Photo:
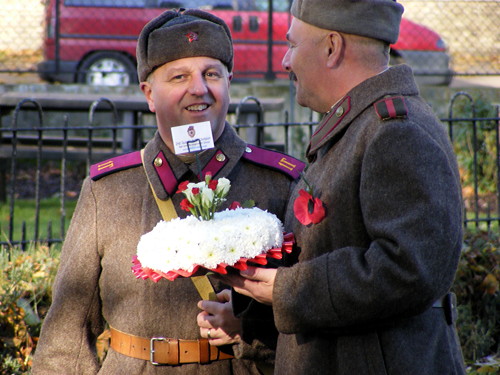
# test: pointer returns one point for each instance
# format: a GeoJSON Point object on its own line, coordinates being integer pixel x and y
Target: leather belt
{"type": "Point", "coordinates": [165, 351]}
{"type": "Point", "coordinates": [449, 304]}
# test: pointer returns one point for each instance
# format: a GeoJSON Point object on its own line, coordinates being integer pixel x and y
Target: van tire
{"type": "Point", "coordinates": [99, 69]}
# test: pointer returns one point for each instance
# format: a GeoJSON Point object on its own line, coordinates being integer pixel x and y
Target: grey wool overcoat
{"type": "Point", "coordinates": [95, 284]}
{"type": "Point", "coordinates": [359, 300]}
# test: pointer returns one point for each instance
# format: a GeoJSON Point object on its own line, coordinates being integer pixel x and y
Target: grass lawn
{"type": "Point", "coordinates": [24, 212]}
{"type": "Point", "coordinates": [492, 226]}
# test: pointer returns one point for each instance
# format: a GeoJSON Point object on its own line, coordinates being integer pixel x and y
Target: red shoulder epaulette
{"type": "Point", "coordinates": [275, 160]}
{"type": "Point", "coordinates": [118, 163]}
{"type": "Point", "coordinates": [391, 108]}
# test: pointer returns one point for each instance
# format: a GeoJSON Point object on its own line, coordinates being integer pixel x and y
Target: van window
{"type": "Point", "coordinates": [107, 3]}
{"type": "Point", "coordinates": [263, 5]}
{"type": "Point", "coordinates": [249, 5]}
{"type": "Point", "coordinates": [203, 4]}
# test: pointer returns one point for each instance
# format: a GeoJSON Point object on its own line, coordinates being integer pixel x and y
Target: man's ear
{"type": "Point", "coordinates": [146, 90]}
{"type": "Point", "coordinates": [335, 49]}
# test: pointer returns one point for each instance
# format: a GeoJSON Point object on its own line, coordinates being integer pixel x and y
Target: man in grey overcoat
{"type": "Point", "coordinates": [185, 60]}
{"type": "Point", "coordinates": [377, 217]}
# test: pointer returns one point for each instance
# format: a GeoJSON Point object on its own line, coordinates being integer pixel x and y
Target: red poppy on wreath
{"type": "Point", "coordinates": [212, 185]}
{"type": "Point", "coordinates": [235, 205]}
{"type": "Point", "coordinates": [308, 209]}
{"type": "Point", "coordinates": [182, 186]}
{"type": "Point", "coordinates": [186, 205]}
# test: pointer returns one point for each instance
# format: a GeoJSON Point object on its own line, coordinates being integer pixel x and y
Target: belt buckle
{"type": "Point", "coordinates": [152, 349]}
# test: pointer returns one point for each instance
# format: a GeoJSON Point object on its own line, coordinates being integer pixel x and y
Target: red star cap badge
{"type": "Point", "coordinates": [192, 36]}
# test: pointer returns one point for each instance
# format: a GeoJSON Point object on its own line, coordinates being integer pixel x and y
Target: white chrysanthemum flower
{"type": "Point", "coordinates": [231, 235]}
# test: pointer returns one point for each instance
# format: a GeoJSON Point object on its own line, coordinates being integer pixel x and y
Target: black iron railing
{"type": "Point", "coordinates": [28, 152]}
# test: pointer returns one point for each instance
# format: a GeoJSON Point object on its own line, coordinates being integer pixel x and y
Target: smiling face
{"type": "Point", "coordinates": [188, 90]}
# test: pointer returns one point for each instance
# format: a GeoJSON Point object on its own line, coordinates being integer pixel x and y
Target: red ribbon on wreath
{"type": "Point", "coordinates": [144, 273]}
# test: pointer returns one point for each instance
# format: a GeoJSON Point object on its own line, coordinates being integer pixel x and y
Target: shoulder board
{"type": "Point", "coordinates": [118, 163]}
{"type": "Point", "coordinates": [274, 160]}
{"type": "Point", "coordinates": [391, 108]}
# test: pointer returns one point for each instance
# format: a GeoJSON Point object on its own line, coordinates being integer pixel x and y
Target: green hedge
{"type": "Point", "coordinates": [25, 289]}
{"type": "Point", "coordinates": [27, 277]}
{"type": "Point", "coordinates": [477, 288]}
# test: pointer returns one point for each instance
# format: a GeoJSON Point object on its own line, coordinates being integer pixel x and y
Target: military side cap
{"type": "Point", "coordinates": [377, 19]}
{"type": "Point", "coordinates": [274, 160]}
{"type": "Point", "coordinates": [176, 34]}
{"type": "Point", "coordinates": [391, 108]}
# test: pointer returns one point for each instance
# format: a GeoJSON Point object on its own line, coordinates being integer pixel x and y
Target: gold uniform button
{"type": "Point", "coordinates": [158, 162]}
{"type": "Point", "coordinates": [339, 112]}
{"type": "Point", "coordinates": [220, 157]}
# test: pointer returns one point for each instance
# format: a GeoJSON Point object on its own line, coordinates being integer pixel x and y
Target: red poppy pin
{"type": "Point", "coordinates": [307, 208]}
{"type": "Point", "coordinates": [192, 36]}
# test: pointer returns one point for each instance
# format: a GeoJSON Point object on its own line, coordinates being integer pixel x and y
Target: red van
{"type": "Point", "coordinates": [95, 40]}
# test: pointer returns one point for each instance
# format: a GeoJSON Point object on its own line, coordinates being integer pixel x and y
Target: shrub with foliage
{"type": "Point", "coordinates": [477, 288]}
{"type": "Point", "coordinates": [25, 290]}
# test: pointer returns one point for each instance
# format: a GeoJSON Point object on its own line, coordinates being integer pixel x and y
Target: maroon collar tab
{"type": "Point", "coordinates": [118, 163]}
{"type": "Point", "coordinates": [391, 108]}
{"type": "Point", "coordinates": [165, 173]}
{"type": "Point", "coordinates": [329, 123]}
{"type": "Point", "coordinates": [275, 160]}
{"type": "Point", "coordinates": [218, 161]}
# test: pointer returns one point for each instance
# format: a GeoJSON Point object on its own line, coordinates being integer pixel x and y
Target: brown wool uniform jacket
{"type": "Point", "coordinates": [359, 299]}
{"type": "Point", "coordinates": [95, 283]}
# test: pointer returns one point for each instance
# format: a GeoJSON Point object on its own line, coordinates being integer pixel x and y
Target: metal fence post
{"type": "Point", "coordinates": [14, 168]}
{"type": "Point", "coordinates": [254, 135]}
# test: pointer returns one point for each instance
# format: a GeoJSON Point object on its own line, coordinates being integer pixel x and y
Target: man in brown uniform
{"type": "Point", "coordinates": [380, 245]}
{"type": "Point", "coordinates": [184, 64]}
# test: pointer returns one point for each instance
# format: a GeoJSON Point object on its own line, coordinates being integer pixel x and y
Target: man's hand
{"type": "Point", "coordinates": [217, 321]}
{"type": "Point", "coordinates": [254, 282]}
